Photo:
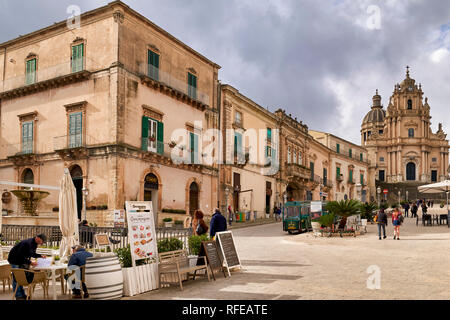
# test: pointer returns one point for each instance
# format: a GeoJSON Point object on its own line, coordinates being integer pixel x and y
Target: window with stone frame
{"type": "Point", "coordinates": [289, 154]}
{"type": "Point", "coordinates": [27, 132]}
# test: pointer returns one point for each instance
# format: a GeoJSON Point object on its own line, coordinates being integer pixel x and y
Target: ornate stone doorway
{"type": "Point", "coordinates": [77, 177]}
{"type": "Point", "coordinates": [411, 171]}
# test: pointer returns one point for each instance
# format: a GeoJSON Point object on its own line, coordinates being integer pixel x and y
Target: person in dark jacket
{"type": "Point", "coordinates": [218, 223]}
{"type": "Point", "coordinates": [382, 222]}
{"type": "Point", "coordinates": [414, 211]}
{"type": "Point", "coordinates": [78, 258]}
{"type": "Point", "coordinates": [20, 258]}
{"type": "Point", "coordinates": [406, 207]}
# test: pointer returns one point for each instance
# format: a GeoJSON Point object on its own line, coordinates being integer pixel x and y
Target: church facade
{"type": "Point", "coordinates": [403, 151]}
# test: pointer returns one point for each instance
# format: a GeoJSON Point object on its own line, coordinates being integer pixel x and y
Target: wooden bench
{"type": "Point", "coordinates": [177, 263]}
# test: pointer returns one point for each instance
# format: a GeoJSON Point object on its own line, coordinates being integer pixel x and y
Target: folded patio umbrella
{"type": "Point", "coordinates": [68, 218]}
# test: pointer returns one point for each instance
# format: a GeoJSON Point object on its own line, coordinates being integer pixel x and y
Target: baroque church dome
{"type": "Point", "coordinates": [377, 113]}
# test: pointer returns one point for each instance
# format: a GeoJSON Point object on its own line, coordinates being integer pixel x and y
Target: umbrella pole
{"type": "Point", "coordinates": [448, 224]}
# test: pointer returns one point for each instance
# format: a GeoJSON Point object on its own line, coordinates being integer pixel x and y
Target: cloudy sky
{"type": "Point", "coordinates": [319, 60]}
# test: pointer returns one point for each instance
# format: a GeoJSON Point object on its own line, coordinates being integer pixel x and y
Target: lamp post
{"type": "Point", "coordinates": [407, 195]}
{"type": "Point", "coordinates": [399, 195]}
{"type": "Point", "coordinates": [379, 196]}
{"type": "Point", "coordinates": [85, 194]}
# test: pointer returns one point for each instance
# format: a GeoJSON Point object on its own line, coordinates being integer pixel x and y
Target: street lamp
{"type": "Point", "coordinates": [379, 195]}
{"type": "Point", "coordinates": [85, 194]}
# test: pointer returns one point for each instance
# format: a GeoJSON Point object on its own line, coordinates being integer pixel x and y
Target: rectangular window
{"type": "Point", "coordinates": [360, 157]}
{"type": "Point", "coordinates": [362, 179]}
{"type": "Point", "coordinates": [311, 166]}
{"type": "Point", "coordinates": [381, 159]}
{"type": "Point", "coordinates": [380, 132]}
{"type": "Point", "coordinates": [78, 58]}
{"type": "Point", "coordinates": [238, 118]}
{"type": "Point", "coordinates": [338, 173]}
{"type": "Point", "coordinates": [192, 86]}
{"type": "Point", "coordinates": [194, 148]}
{"type": "Point", "coordinates": [433, 175]}
{"type": "Point", "coordinates": [410, 133]}
{"type": "Point", "coordinates": [350, 153]}
{"type": "Point", "coordinates": [295, 157]}
{"type": "Point", "coordinates": [300, 160]}
{"type": "Point", "coordinates": [434, 159]}
{"type": "Point", "coordinates": [350, 175]}
{"type": "Point", "coordinates": [153, 65]}
{"type": "Point", "coordinates": [152, 135]}
{"type": "Point", "coordinates": [325, 176]}
{"type": "Point", "coordinates": [238, 152]}
{"type": "Point", "coordinates": [289, 155]}
{"type": "Point", "coordinates": [269, 134]}
{"type": "Point", "coordinates": [31, 71]}
{"type": "Point", "coordinates": [365, 136]}
{"type": "Point", "coordinates": [338, 147]}
{"type": "Point", "coordinates": [381, 175]}
{"type": "Point", "coordinates": [75, 130]}
{"type": "Point", "coordinates": [27, 137]}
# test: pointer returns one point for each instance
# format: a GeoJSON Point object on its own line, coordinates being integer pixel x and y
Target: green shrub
{"type": "Point", "coordinates": [166, 245]}
{"type": "Point", "coordinates": [326, 220]}
{"type": "Point", "coordinates": [180, 211]}
{"type": "Point", "coordinates": [195, 243]}
{"type": "Point", "coordinates": [179, 222]}
{"type": "Point", "coordinates": [167, 220]}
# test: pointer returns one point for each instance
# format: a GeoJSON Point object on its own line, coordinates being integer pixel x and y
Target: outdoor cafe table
{"type": "Point", "coordinates": [53, 269]}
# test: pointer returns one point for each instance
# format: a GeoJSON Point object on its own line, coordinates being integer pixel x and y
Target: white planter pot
{"type": "Point", "coordinates": [140, 279]}
{"type": "Point", "coordinates": [168, 224]}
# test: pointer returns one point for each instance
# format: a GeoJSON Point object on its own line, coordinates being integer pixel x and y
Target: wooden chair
{"type": "Point", "coordinates": [21, 279]}
{"type": "Point", "coordinates": [83, 279]}
{"type": "Point", "coordinates": [5, 276]}
{"type": "Point", "coordinates": [177, 263]}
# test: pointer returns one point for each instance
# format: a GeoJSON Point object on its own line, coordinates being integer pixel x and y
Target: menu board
{"type": "Point", "coordinates": [102, 240]}
{"type": "Point", "coordinates": [228, 250]}
{"type": "Point", "coordinates": [316, 206]}
{"type": "Point", "coordinates": [210, 250]}
{"type": "Point", "coordinates": [119, 218]}
{"type": "Point", "coordinates": [141, 230]}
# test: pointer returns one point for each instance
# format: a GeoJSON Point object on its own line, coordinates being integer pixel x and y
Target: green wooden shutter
{"type": "Point", "coordinates": [311, 166]}
{"type": "Point", "coordinates": [337, 148]}
{"type": "Point", "coordinates": [338, 173]}
{"type": "Point", "coordinates": [192, 86]}
{"type": "Point", "coordinates": [27, 137]}
{"type": "Point", "coordinates": [350, 176]}
{"type": "Point", "coordinates": [192, 144]}
{"type": "Point", "coordinates": [77, 57]}
{"type": "Point", "coordinates": [31, 71]}
{"type": "Point", "coordinates": [153, 65]}
{"type": "Point", "coordinates": [361, 157]}
{"type": "Point", "coordinates": [362, 179]}
{"type": "Point", "coordinates": [160, 138]}
{"type": "Point", "coordinates": [75, 130]}
{"type": "Point", "coordinates": [145, 133]}
{"type": "Point", "coordinates": [196, 160]}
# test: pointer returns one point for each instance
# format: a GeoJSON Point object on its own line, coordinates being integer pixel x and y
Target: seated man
{"type": "Point", "coordinates": [78, 258]}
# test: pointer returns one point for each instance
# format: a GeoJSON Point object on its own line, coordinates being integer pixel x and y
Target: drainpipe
{"type": "Point", "coordinates": [219, 152]}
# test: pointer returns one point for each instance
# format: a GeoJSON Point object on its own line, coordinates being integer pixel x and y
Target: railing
{"type": "Point", "coordinates": [27, 147]}
{"type": "Point", "coordinates": [328, 183]}
{"type": "Point", "coordinates": [43, 74]}
{"type": "Point", "coordinates": [315, 178]}
{"type": "Point", "coordinates": [118, 236]}
{"type": "Point", "coordinates": [294, 169]}
{"type": "Point", "coordinates": [170, 81]}
{"type": "Point", "coordinates": [344, 153]}
{"type": "Point", "coordinates": [72, 142]}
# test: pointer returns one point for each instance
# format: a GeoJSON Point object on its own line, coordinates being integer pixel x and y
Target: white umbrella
{"type": "Point", "coordinates": [443, 186]}
{"type": "Point", "coordinates": [68, 218]}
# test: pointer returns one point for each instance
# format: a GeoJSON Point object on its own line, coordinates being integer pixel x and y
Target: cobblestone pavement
{"type": "Point", "coordinates": [281, 266]}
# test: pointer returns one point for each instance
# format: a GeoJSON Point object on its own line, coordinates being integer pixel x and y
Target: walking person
{"type": "Point", "coordinates": [397, 220]}
{"type": "Point", "coordinates": [424, 208]}
{"type": "Point", "coordinates": [406, 207]}
{"type": "Point", "coordinates": [20, 258]}
{"type": "Point", "coordinates": [230, 215]}
{"type": "Point", "coordinates": [199, 226]}
{"type": "Point", "coordinates": [382, 222]}
{"type": "Point", "coordinates": [218, 223]}
{"type": "Point", "coordinates": [414, 210]}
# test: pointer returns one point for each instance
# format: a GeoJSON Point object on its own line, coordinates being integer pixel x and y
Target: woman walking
{"type": "Point", "coordinates": [199, 226]}
{"type": "Point", "coordinates": [397, 220]}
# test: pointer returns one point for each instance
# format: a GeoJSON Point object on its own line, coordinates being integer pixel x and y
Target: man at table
{"type": "Point", "coordinates": [19, 258]}
{"type": "Point", "coordinates": [78, 258]}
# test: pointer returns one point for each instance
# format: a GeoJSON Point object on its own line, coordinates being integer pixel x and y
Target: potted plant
{"type": "Point", "coordinates": [152, 138]}
{"type": "Point", "coordinates": [144, 269]}
{"type": "Point", "coordinates": [366, 211]}
{"type": "Point", "coordinates": [167, 222]}
{"type": "Point", "coordinates": [195, 243]}
{"type": "Point", "coordinates": [343, 209]}
{"type": "Point", "coordinates": [57, 260]}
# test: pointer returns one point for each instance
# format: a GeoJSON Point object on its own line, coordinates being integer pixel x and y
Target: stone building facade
{"type": "Point", "coordinates": [403, 151]}
{"type": "Point", "coordinates": [108, 100]}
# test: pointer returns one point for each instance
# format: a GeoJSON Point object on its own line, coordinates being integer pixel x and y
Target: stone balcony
{"type": "Point", "coordinates": [297, 171]}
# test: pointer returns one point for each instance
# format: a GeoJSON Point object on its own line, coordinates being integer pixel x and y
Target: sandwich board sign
{"type": "Point", "coordinates": [141, 230]}
{"type": "Point", "coordinates": [227, 250]}
{"type": "Point", "coordinates": [211, 252]}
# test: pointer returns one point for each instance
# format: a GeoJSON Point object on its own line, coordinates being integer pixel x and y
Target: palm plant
{"type": "Point", "coordinates": [344, 209]}
{"type": "Point", "coordinates": [326, 220]}
{"type": "Point", "coordinates": [366, 210]}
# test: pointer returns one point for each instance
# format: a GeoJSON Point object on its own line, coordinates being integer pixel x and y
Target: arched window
{"type": "Point", "coordinates": [28, 176]}
{"type": "Point", "coordinates": [409, 104]}
{"type": "Point", "coordinates": [289, 155]}
{"type": "Point", "coordinates": [295, 156]}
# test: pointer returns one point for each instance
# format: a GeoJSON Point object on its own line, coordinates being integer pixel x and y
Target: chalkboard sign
{"type": "Point", "coordinates": [209, 248]}
{"type": "Point", "coordinates": [228, 250]}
